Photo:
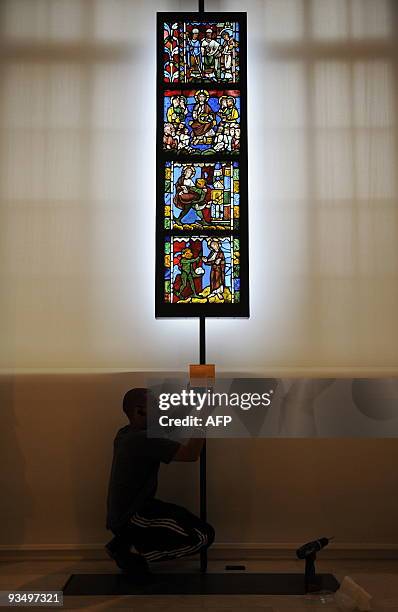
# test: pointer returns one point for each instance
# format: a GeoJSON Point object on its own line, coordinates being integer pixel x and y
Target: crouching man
{"type": "Point", "coordinates": [145, 528]}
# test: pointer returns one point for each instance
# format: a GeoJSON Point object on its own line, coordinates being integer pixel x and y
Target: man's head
{"type": "Point", "coordinates": [188, 171]}
{"type": "Point", "coordinates": [213, 243]}
{"type": "Point", "coordinates": [202, 96]}
{"type": "Point", "coordinates": [135, 406]}
{"type": "Point", "coordinates": [187, 253]}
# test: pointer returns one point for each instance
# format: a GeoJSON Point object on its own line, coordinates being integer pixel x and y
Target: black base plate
{"type": "Point", "coordinates": [194, 584]}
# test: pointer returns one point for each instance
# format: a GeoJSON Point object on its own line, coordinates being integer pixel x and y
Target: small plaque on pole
{"type": "Point", "coordinates": [202, 375]}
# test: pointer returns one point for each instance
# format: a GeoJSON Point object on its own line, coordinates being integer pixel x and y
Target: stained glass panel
{"type": "Point", "coordinates": [202, 182]}
{"type": "Point", "coordinates": [201, 121]}
{"type": "Point", "coordinates": [201, 196]}
{"type": "Point", "coordinates": [201, 51]}
{"type": "Point", "coordinates": [201, 269]}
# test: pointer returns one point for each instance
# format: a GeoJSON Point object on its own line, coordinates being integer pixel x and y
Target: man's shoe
{"type": "Point", "coordinates": [130, 563]}
{"type": "Point", "coordinates": [117, 544]}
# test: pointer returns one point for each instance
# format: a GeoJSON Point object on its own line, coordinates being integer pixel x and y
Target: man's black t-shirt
{"type": "Point", "coordinates": [134, 473]}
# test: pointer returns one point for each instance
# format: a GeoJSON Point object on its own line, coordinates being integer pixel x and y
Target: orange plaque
{"type": "Point", "coordinates": [202, 375]}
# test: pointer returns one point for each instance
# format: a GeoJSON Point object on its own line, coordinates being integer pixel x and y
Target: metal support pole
{"type": "Point", "coordinates": [202, 467]}
{"type": "Point", "coordinates": [202, 340]}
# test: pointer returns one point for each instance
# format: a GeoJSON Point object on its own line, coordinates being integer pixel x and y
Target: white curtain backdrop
{"type": "Point", "coordinates": [77, 188]}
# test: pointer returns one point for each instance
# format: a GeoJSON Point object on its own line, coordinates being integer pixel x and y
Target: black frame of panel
{"type": "Point", "coordinates": [163, 309]}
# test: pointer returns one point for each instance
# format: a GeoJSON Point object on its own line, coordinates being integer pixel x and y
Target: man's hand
{"type": "Point", "coordinates": [189, 451]}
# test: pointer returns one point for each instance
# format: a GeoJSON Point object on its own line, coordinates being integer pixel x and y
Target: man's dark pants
{"type": "Point", "coordinates": [160, 531]}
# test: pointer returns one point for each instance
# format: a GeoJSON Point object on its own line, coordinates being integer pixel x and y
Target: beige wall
{"type": "Point", "coordinates": [56, 435]}
{"type": "Point", "coordinates": [77, 187]}
{"type": "Point", "coordinates": [77, 198]}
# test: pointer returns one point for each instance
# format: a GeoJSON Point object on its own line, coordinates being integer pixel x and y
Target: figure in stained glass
{"type": "Point", "coordinates": [177, 110]}
{"type": "Point", "coordinates": [196, 198]}
{"type": "Point", "coordinates": [216, 260]}
{"type": "Point", "coordinates": [211, 52]}
{"type": "Point", "coordinates": [228, 111]}
{"type": "Point", "coordinates": [194, 54]}
{"type": "Point", "coordinates": [203, 116]}
{"type": "Point", "coordinates": [228, 53]}
{"type": "Point", "coordinates": [169, 137]}
{"type": "Point", "coordinates": [187, 273]}
{"type": "Point", "coordinates": [183, 139]}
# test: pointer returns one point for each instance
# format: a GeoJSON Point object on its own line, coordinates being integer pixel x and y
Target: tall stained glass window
{"type": "Point", "coordinates": [202, 227]}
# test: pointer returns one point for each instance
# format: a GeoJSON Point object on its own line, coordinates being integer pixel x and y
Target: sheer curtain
{"type": "Point", "coordinates": [77, 188]}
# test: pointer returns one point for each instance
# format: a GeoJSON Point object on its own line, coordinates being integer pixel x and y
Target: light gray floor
{"type": "Point", "coordinates": [379, 578]}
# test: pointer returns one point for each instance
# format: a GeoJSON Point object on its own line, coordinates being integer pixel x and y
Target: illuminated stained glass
{"type": "Point", "coordinates": [201, 172]}
{"type": "Point", "coordinates": [201, 196]}
{"type": "Point", "coordinates": [201, 121]}
{"type": "Point", "coordinates": [201, 270]}
{"type": "Point", "coordinates": [201, 51]}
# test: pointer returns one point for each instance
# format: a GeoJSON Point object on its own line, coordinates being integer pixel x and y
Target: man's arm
{"type": "Point", "coordinates": [189, 451]}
